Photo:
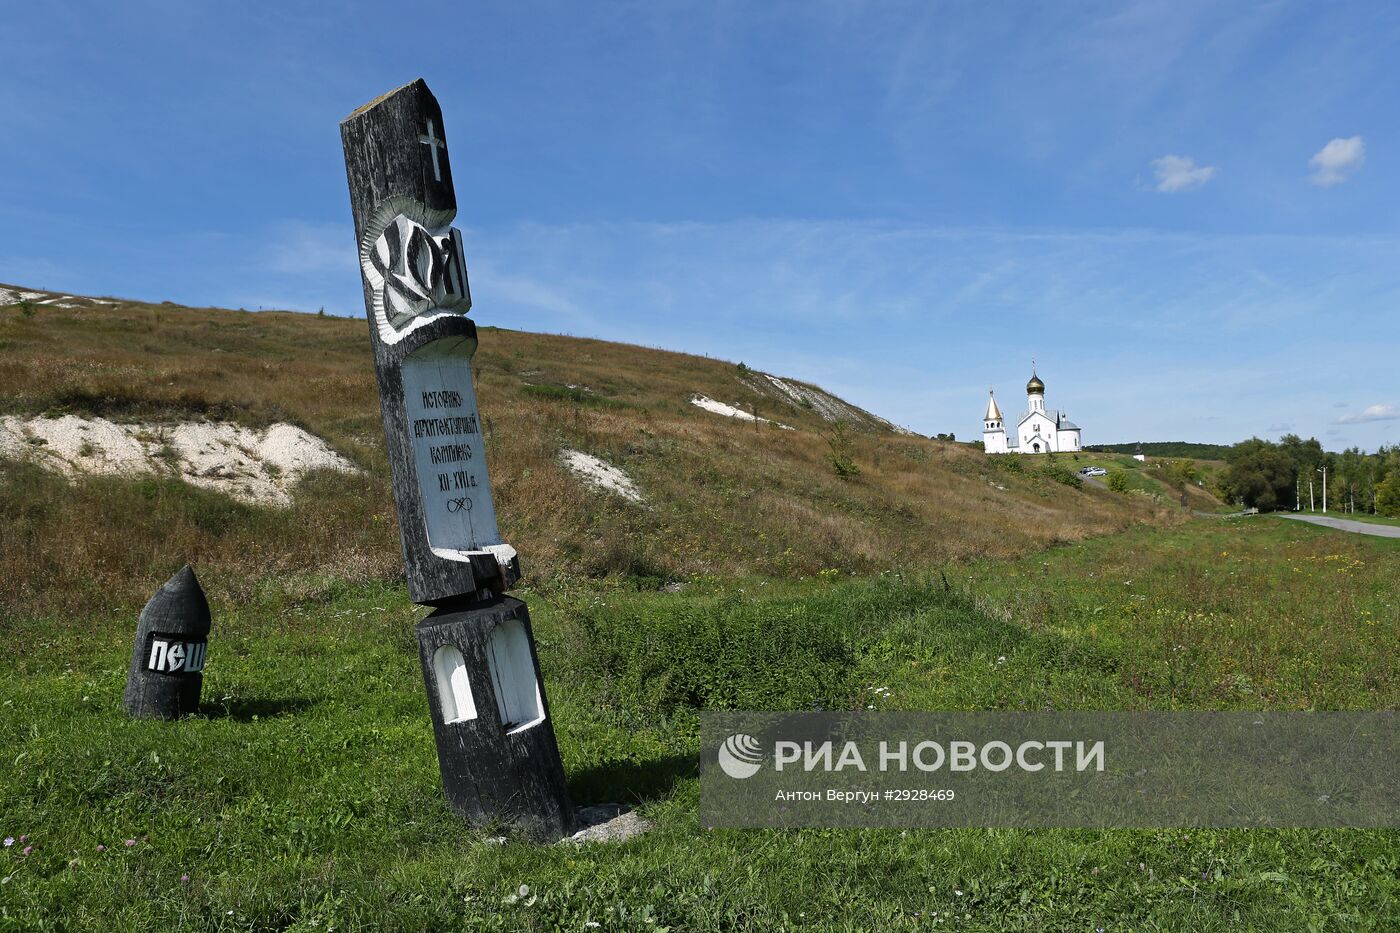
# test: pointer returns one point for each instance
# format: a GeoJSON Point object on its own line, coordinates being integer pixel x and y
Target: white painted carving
{"type": "Point", "coordinates": [513, 677]}
{"type": "Point", "coordinates": [503, 553]}
{"type": "Point", "coordinates": [412, 259]}
{"type": "Point", "coordinates": [454, 687]}
{"type": "Point", "coordinates": [431, 140]}
{"type": "Point", "coordinates": [169, 657]}
{"type": "Point", "coordinates": [449, 455]}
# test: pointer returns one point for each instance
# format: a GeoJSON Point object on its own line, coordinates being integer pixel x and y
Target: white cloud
{"type": "Point", "coordinates": [1337, 161]}
{"type": "Point", "coordinates": [1180, 173]}
{"type": "Point", "coordinates": [527, 292]}
{"type": "Point", "coordinates": [299, 248]}
{"type": "Point", "coordinates": [1372, 413]}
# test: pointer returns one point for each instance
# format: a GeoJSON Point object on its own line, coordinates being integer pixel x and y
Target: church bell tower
{"type": "Point", "coordinates": [993, 430]}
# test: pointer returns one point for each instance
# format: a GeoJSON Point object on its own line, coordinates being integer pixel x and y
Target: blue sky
{"type": "Point", "coordinates": [1186, 212]}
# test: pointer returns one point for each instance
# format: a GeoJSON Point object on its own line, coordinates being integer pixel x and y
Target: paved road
{"type": "Point", "coordinates": [1346, 524]}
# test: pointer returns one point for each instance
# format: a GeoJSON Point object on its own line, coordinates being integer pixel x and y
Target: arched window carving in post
{"type": "Point", "coordinates": [513, 677]}
{"type": "Point", "coordinates": [454, 687]}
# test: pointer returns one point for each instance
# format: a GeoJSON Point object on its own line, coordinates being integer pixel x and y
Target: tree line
{"type": "Point", "coordinates": [1166, 449]}
{"type": "Point", "coordinates": [1288, 474]}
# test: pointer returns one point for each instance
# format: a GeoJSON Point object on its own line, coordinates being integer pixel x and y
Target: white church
{"type": "Point", "coordinates": [1040, 430]}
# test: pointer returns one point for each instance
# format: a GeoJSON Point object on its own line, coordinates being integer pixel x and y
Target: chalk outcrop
{"type": "Point", "coordinates": [731, 411]}
{"type": "Point", "coordinates": [252, 465]}
{"type": "Point", "coordinates": [600, 474]}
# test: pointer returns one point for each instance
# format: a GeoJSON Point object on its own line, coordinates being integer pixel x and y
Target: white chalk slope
{"type": "Point", "coordinates": [729, 411]}
{"type": "Point", "coordinates": [600, 474]}
{"type": "Point", "coordinates": [10, 295]}
{"type": "Point", "coordinates": [828, 406]}
{"type": "Point", "coordinates": [795, 395]}
{"type": "Point", "coordinates": [255, 466]}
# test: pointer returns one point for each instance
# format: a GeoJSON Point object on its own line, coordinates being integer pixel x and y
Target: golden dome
{"type": "Point", "coordinates": [1035, 385]}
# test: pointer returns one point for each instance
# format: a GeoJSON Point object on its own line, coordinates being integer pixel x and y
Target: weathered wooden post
{"type": "Point", "coordinates": [496, 745]}
{"type": "Point", "coordinates": [172, 637]}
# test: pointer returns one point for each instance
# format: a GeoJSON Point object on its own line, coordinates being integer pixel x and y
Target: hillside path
{"type": "Point", "coordinates": [1346, 524]}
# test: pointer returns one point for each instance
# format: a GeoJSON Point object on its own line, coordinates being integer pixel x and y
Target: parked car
{"type": "Point", "coordinates": [1095, 471]}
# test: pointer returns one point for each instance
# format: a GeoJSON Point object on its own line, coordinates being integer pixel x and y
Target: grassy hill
{"type": "Point", "coordinates": [723, 496]}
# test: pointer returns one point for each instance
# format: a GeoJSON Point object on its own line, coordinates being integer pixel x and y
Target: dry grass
{"type": "Point", "coordinates": [723, 496]}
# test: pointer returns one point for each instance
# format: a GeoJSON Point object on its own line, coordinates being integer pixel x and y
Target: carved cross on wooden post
{"type": "Point", "coordinates": [496, 745]}
{"type": "Point", "coordinates": [431, 140]}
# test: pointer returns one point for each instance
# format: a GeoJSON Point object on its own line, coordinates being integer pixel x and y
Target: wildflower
{"type": "Point", "coordinates": [524, 890]}
{"type": "Point", "coordinates": [26, 850]}
{"type": "Point", "coordinates": [185, 879]}
{"type": "Point", "coordinates": [23, 840]}
{"type": "Point", "coordinates": [9, 841]}
{"type": "Point", "coordinates": [101, 847]}
{"type": "Point", "coordinates": [130, 843]}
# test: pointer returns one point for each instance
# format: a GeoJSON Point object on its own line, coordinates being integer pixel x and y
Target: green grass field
{"type": "Point", "coordinates": [306, 795]}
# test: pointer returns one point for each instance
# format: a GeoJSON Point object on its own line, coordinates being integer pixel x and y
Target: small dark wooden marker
{"type": "Point", "coordinates": [496, 746]}
{"type": "Point", "coordinates": [172, 637]}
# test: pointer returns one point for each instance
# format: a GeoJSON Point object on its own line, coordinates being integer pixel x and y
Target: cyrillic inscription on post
{"type": "Point", "coordinates": [172, 639]}
{"type": "Point", "coordinates": [447, 449]}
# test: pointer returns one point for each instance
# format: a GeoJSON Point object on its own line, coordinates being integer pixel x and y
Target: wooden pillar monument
{"type": "Point", "coordinates": [495, 742]}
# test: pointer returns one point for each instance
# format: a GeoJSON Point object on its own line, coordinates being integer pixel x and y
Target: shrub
{"type": "Point", "coordinates": [839, 440]}
{"type": "Point", "coordinates": [1011, 463]}
{"type": "Point", "coordinates": [1181, 472]}
{"type": "Point", "coordinates": [661, 656]}
{"type": "Point", "coordinates": [1118, 481]}
{"type": "Point", "coordinates": [1063, 475]}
